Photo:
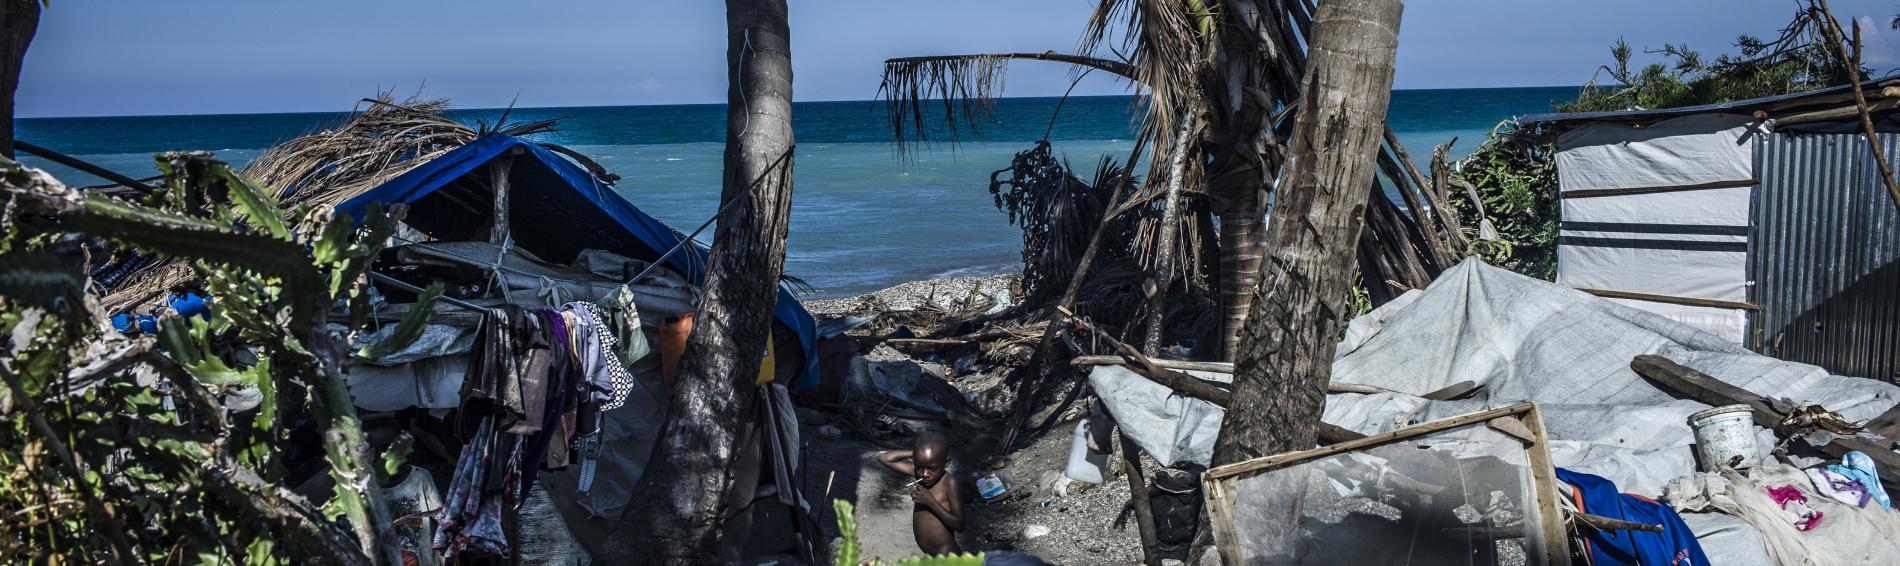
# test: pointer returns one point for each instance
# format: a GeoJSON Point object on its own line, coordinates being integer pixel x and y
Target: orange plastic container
{"type": "Point", "coordinates": [673, 333]}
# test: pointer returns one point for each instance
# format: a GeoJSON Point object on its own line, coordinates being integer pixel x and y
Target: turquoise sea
{"type": "Point", "coordinates": [864, 216]}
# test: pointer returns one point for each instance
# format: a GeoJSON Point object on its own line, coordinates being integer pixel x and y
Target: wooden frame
{"type": "Point", "coordinates": [1520, 421]}
{"type": "Point", "coordinates": [1689, 301]}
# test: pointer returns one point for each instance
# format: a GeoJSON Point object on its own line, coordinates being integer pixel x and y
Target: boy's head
{"type": "Point", "coordinates": [930, 456]}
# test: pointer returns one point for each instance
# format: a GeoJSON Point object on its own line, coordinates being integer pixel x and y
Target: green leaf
{"type": "Point", "coordinates": [409, 329]}
{"type": "Point", "coordinates": [397, 454]}
{"type": "Point", "coordinates": [38, 278]}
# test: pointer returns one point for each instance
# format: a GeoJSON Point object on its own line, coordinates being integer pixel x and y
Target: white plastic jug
{"type": "Point", "coordinates": [1084, 465]}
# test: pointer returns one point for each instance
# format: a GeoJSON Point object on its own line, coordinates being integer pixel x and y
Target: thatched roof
{"type": "Point", "coordinates": [381, 139]}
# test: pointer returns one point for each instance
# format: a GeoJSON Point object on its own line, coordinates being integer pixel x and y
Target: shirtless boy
{"type": "Point", "coordinates": [937, 511]}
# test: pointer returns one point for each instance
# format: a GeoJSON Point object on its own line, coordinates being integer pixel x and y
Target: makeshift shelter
{"type": "Point", "coordinates": [1762, 221]}
{"type": "Point", "coordinates": [1521, 339]}
{"type": "Point", "coordinates": [583, 242]}
{"type": "Point", "coordinates": [537, 391]}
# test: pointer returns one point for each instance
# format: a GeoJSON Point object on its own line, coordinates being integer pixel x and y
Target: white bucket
{"type": "Point", "coordinates": [1725, 438]}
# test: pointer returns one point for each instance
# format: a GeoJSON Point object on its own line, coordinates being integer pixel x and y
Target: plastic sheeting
{"type": "Point", "coordinates": [1524, 340]}
{"type": "Point", "coordinates": [1171, 427]}
{"type": "Point", "coordinates": [1687, 243]}
{"type": "Point", "coordinates": [570, 211]}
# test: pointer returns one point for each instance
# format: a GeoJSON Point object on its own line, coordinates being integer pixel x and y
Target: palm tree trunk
{"type": "Point", "coordinates": [18, 20]}
{"type": "Point", "coordinates": [684, 493]}
{"type": "Point", "coordinates": [1163, 273]}
{"type": "Point", "coordinates": [1286, 347]}
{"type": "Point", "coordinates": [1241, 249]}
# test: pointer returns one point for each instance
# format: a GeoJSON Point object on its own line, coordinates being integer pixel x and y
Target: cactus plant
{"type": "Point", "coordinates": [137, 477]}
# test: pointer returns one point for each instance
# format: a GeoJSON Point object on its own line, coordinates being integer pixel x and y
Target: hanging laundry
{"type": "Point", "coordinates": [471, 516]}
{"type": "Point", "coordinates": [624, 320]}
{"type": "Point", "coordinates": [505, 336]}
{"type": "Point", "coordinates": [534, 384]}
{"type": "Point", "coordinates": [600, 362]}
{"type": "Point", "coordinates": [1795, 506]}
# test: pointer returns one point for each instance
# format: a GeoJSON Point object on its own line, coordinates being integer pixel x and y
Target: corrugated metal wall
{"type": "Point", "coordinates": [1822, 257]}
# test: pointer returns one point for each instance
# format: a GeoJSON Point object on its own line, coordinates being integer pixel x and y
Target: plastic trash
{"type": "Point", "coordinates": [1085, 464]}
{"type": "Point", "coordinates": [992, 485]}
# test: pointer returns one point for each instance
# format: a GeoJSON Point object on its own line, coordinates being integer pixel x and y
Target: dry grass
{"type": "Point", "coordinates": [381, 139]}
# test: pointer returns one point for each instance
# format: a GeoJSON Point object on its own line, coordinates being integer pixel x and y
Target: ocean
{"type": "Point", "coordinates": [864, 215]}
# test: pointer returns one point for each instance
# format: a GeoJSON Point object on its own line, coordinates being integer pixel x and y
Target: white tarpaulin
{"type": "Point", "coordinates": [1676, 243]}
{"type": "Point", "coordinates": [1524, 340]}
{"type": "Point", "coordinates": [1700, 148]}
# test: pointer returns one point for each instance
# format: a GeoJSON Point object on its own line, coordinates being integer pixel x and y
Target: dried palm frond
{"type": "Point", "coordinates": [963, 86]}
{"type": "Point", "coordinates": [1058, 213]}
{"type": "Point", "coordinates": [381, 139]}
{"type": "Point", "coordinates": [1167, 42]}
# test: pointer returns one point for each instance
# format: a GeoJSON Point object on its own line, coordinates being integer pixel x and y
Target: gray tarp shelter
{"type": "Point", "coordinates": [1762, 221]}
{"type": "Point", "coordinates": [1522, 339]}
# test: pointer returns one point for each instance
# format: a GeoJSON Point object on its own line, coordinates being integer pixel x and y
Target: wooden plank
{"type": "Point", "coordinates": [1887, 424]}
{"type": "Point", "coordinates": [1513, 427]}
{"type": "Point", "coordinates": [1544, 482]}
{"type": "Point", "coordinates": [1835, 113]}
{"type": "Point", "coordinates": [1110, 360]}
{"type": "Point", "coordinates": [1594, 193]}
{"type": "Point", "coordinates": [1221, 498]}
{"type": "Point", "coordinates": [1280, 460]}
{"type": "Point", "coordinates": [1212, 367]}
{"type": "Point", "coordinates": [1701, 387]}
{"type": "Point", "coordinates": [1690, 301]}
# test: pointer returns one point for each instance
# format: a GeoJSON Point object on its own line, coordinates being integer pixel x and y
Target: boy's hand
{"type": "Point", "coordinates": [920, 495]}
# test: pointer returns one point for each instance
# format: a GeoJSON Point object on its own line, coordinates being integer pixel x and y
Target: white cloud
{"type": "Point", "coordinates": [1879, 45]}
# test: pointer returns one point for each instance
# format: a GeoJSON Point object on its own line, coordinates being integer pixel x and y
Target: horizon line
{"type": "Point", "coordinates": [582, 106]}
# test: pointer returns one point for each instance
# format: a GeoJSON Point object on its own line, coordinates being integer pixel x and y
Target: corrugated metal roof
{"type": "Point", "coordinates": [1737, 107]}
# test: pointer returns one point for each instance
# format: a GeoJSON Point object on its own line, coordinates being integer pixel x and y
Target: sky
{"type": "Point", "coordinates": [142, 57]}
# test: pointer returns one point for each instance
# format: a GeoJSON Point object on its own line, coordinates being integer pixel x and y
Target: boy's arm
{"type": "Point", "coordinates": [898, 461]}
{"type": "Point", "coordinates": [949, 508]}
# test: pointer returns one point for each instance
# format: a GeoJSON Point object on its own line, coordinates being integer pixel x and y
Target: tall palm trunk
{"type": "Point", "coordinates": [18, 20]}
{"type": "Point", "coordinates": [1286, 346]}
{"type": "Point", "coordinates": [1241, 250]}
{"type": "Point", "coordinates": [684, 494]}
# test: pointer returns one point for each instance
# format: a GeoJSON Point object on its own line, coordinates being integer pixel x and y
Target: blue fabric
{"type": "Point", "coordinates": [1859, 466]}
{"type": "Point", "coordinates": [1675, 546]}
{"type": "Point", "coordinates": [588, 210]}
{"type": "Point", "coordinates": [187, 305]}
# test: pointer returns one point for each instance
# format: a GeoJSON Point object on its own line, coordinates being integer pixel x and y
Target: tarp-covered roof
{"type": "Point", "coordinates": [557, 209]}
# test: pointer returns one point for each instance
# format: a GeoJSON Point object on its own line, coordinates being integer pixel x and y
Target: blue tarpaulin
{"type": "Point", "coordinates": [557, 209]}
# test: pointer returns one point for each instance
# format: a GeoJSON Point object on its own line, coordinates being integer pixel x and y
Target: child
{"type": "Point", "coordinates": [937, 512]}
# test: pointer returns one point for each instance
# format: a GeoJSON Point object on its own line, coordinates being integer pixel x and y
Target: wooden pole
{"type": "Point", "coordinates": [1852, 62]}
{"type": "Point", "coordinates": [1138, 491]}
{"type": "Point", "coordinates": [498, 178]}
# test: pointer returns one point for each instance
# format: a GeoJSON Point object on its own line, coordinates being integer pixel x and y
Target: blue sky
{"type": "Point", "coordinates": [127, 57]}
